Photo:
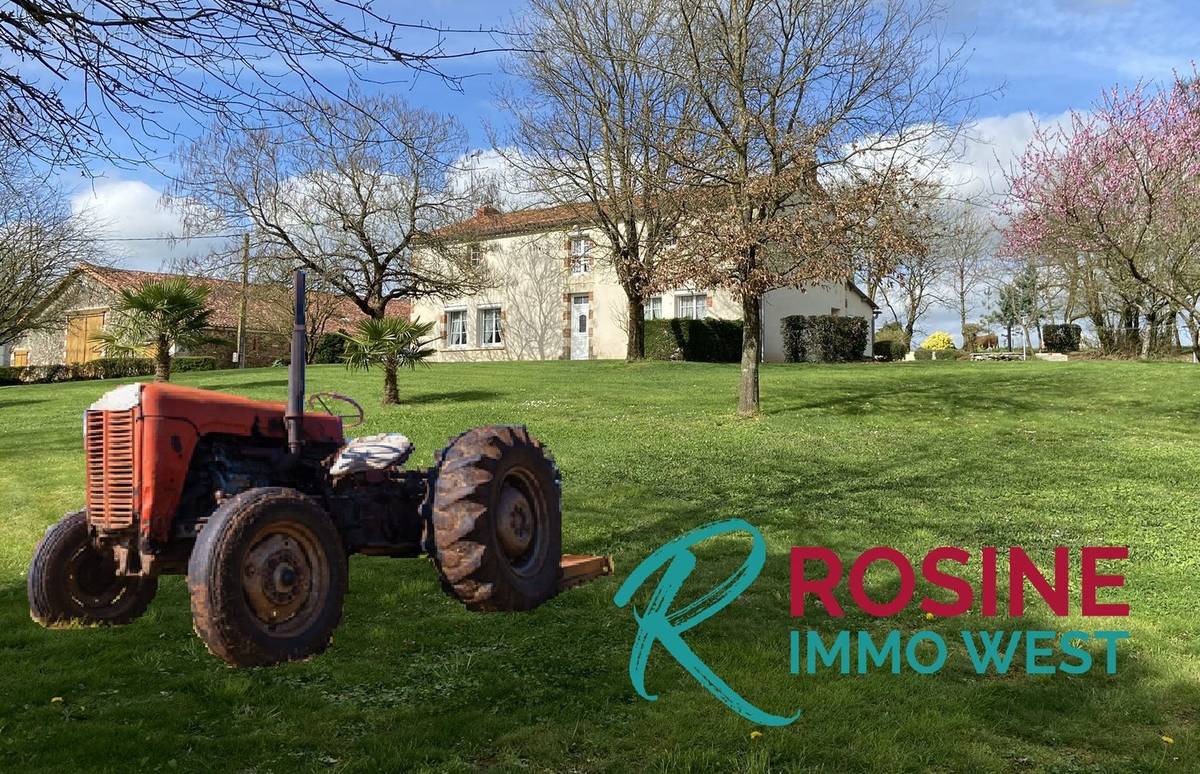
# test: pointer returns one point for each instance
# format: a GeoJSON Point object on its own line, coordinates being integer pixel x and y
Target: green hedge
{"type": "Point", "coordinates": [330, 348]}
{"type": "Point", "coordinates": [1061, 338]}
{"type": "Point", "coordinates": [890, 349]}
{"type": "Point", "coordinates": [823, 338]}
{"type": "Point", "coordinates": [709, 341]}
{"type": "Point", "coordinates": [101, 368]}
{"type": "Point", "coordinates": [942, 354]}
{"type": "Point", "coordinates": [186, 364]}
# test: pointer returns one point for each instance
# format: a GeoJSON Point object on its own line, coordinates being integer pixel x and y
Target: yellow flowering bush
{"type": "Point", "coordinates": [938, 340]}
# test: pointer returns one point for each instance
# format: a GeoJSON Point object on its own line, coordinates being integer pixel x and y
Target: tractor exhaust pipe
{"type": "Point", "coordinates": [294, 416]}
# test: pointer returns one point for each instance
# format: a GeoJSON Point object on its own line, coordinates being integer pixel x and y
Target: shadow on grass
{"type": "Point", "coordinates": [456, 396]}
{"type": "Point", "coordinates": [27, 402]}
{"type": "Point", "coordinates": [243, 385]}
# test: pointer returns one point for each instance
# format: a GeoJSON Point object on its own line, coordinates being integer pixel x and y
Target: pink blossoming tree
{"type": "Point", "coordinates": [1119, 187]}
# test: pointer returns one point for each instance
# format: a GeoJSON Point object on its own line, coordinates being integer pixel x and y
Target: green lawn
{"type": "Point", "coordinates": [909, 455]}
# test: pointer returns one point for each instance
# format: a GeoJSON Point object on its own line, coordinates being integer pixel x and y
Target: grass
{"type": "Point", "coordinates": [913, 456]}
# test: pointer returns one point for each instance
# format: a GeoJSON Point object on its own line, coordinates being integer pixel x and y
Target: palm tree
{"type": "Point", "coordinates": [156, 318]}
{"type": "Point", "coordinates": [391, 342]}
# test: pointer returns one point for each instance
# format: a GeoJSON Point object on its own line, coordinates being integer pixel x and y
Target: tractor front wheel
{"type": "Point", "coordinates": [71, 582]}
{"type": "Point", "coordinates": [497, 519]}
{"type": "Point", "coordinates": [267, 577]}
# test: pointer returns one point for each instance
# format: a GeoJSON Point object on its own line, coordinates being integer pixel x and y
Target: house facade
{"type": "Point", "coordinates": [81, 306]}
{"type": "Point", "coordinates": [549, 297]}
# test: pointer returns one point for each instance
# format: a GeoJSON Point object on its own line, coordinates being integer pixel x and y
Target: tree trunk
{"type": "Point", "coordinates": [635, 342]}
{"type": "Point", "coordinates": [162, 360]}
{"type": "Point", "coordinates": [967, 344]}
{"type": "Point", "coordinates": [748, 397]}
{"type": "Point", "coordinates": [391, 396]}
{"type": "Point", "coordinates": [1148, 337]}
{"type": "Point", "coordinates": [1008, 336]}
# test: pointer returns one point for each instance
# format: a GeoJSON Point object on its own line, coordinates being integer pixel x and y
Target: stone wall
{"type": "Point", "coordinates": [262, 349]}
{"type": "Point", "coordinates": [48, 346]}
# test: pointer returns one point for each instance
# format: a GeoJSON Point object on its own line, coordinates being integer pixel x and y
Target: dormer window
{"type": "Point", "coordinates": [580, 246]}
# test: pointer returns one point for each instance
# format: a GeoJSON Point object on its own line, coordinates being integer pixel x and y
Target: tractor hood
{"type": "Point", "coordinates": [216, 412]}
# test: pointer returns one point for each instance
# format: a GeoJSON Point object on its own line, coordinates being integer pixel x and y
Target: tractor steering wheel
{"type": "Point", "coordinates": [323, 399]}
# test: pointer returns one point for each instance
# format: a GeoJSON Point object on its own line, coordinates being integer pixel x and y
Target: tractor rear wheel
{"type": "Point", "coordinates": [497, 519]}
{"type": "Point", "coordinates": [71, 582]}
{"type": "Point", "coordinates": [267, 577]}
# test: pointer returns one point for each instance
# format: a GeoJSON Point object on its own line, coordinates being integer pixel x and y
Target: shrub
{"type": "Point", "coordinates": [708, 341]}
{"type": "Point", "coordinates": [891, 343]}
{"type": "Point", "coordinates": [45, 374]}
{"type": "Point", "coordinates": [183, 364]}
{"type": "Point", "coordinates": [893, 331]}
{"type": "Point", "coordinates": [1061, 338]}
{"type": "Point", "coordinates": [101, 368]}
{"type": "Point", "coordinates": [939, 355]}
{"type": "Point", "coordinates": [823, 338]}
{"type": "Point", "coordinates": [330, 348]}
{"type": "Point", "coordinates": [890, 350]}
{"type": "Point", "coordinates": [114, 368]}
{"type": "Point", "coordinates": [937, 341]}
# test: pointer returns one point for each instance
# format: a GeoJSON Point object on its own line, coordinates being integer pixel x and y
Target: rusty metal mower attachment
{"type": "Point", "coordinates": [260, 505]}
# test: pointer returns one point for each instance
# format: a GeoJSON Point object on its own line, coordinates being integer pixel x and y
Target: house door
{"type": "Point", "coordinates": [80, 329]}
{"type": "Point", "coordinates": [579, 327]}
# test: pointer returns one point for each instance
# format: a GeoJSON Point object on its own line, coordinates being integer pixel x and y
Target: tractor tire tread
{"type": "Point", "coordinates": [48, 603]}
{"type": "Point", "coordinates": [462, 490]}
{"type": "Point", "coordinates": [214, 609]}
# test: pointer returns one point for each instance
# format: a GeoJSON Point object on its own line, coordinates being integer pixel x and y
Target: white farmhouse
{"type": "Point", "coordinates": [550, 298]}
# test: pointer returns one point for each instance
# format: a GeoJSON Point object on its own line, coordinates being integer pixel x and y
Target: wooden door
{"type": "Point", "coordinates": [80, 329]}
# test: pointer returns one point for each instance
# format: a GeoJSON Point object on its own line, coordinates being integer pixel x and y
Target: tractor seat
{"type": "Point", "coordinates": [371, 452]}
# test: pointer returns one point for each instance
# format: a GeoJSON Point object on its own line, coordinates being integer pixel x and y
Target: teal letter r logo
{"type": "Point", "coordinates": [658, 624]}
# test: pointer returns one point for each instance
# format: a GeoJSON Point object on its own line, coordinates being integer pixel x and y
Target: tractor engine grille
{"type": "Point", "coordinates": [109, 447]}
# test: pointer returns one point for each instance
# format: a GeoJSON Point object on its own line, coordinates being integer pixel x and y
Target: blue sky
{"type": "Point", "coordinates": [1041, 58]}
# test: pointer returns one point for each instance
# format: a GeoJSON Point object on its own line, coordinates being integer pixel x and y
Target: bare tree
{"type": "Point", "coordinates": [909, 290]}
{"type": "Point", "coordinates": [788, 88]}
{"type": "Point", "coordinates": [597, 124]}
{"type": "Point", "coordinates": [76, 71]}
{"type": "Point", "coordinates": [41, 241]}
{"type": "Point", "coordinates": [270, 306]}
{"type": "Point", "coordinates": [966, 250]}
{"type": "Point", "coordinates": [334, 193]}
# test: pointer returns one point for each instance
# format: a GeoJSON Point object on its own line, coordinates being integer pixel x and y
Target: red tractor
{"type": "Point", "coordinates": [260, 504]}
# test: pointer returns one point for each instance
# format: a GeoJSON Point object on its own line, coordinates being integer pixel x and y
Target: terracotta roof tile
{"type": "Point", "coordinates": [490, 222]}
{"type": "Point", "coordinates": [224, 295]}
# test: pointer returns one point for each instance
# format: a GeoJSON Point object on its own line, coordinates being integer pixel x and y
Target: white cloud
{"type": "Point", "coordinates": [136, 229]}
{"type": "Point", "coordinates": [990, 147]}
{"type": "Point", "coordinates": [491, 166]}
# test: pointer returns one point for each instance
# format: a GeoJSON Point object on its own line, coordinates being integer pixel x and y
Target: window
{"type": "Point", "coordinates": [475, 255]}
{"type": "Point", "coordinates": [654, 308]}
{"type": "Point", "coordinates": [489, 327]}
{"type": "Point", "coordinates": [690, 307]}
{"type": "Point", "coordinates": [456, 327]}
{"type": "Point", "coordinates": [579, 254]}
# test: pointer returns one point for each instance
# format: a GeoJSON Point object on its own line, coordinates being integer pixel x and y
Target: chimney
{"type": "Point", "coordinates": [487, 211]}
